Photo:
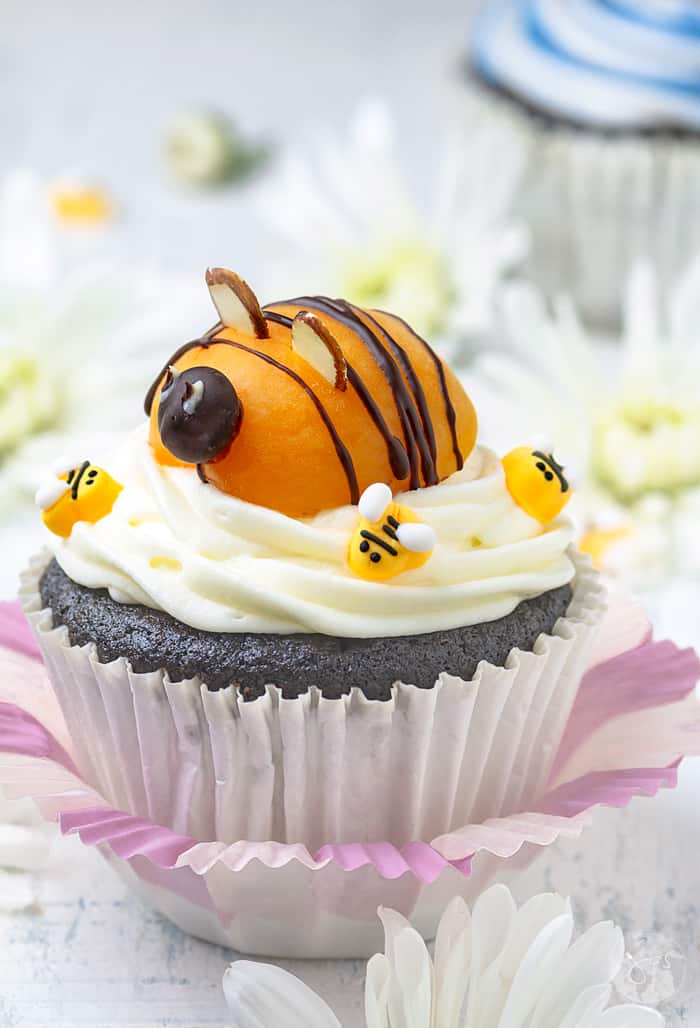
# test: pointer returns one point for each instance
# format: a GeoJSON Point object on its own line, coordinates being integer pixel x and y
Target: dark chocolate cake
{"type": "Point", "coordinates": [152, 640]}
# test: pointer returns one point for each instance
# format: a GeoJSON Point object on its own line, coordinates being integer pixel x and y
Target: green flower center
{"type": "Point", "coordinates": [407, 277]}
{"type": "Point", "coordinates": [30, 399]}
{"type": "Point", "coordinates": [647, 445]}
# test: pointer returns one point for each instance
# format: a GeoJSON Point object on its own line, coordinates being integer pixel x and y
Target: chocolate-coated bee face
{"type": "Point", "coordinates": [199, 414]}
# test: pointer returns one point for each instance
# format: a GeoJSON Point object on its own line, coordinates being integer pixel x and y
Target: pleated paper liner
{"type": "Point", "coordinates": [618, 200]}
{"type": "Point", "coordinates": [313, 770]}
{"type": "Point", "coordinates": [634, 716]}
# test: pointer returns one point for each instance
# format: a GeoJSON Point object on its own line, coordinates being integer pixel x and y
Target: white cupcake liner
{"type": "Point", "coordinates": [598, 203]}
{"type": "Point", "coordinates": [635, 716]}
{"type": "Point", "coordinates": [313, 770]}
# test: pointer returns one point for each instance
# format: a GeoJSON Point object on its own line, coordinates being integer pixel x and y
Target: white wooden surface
{"type": "Point", "coordinates": [91, 954]}
{"type": "Point", "coordinates": [86, 88]}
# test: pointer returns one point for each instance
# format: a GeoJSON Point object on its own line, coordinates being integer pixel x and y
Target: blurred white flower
{"type": "Point", "coordinates": [25, 839]}
{"type": "Point", "coordinates": [625, 415]}
{"type": "Point", "coordinates": [78, 344]}
{"type": "Point", "coordinates": [354, 227]}
{"type": "Point", "coordinates": [500, 967]}
{"type": "Point", "coordinates": [204, 148]}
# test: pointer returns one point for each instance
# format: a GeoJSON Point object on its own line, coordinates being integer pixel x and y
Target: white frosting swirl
{"type": "Point", "coordinates": [613, 63]}
{"type": "Point", "coordinates": [220, 564]}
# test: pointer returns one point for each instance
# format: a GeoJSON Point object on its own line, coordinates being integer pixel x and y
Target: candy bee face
{"type": "Point", "coordinates": [80, 493]}
{"type": "Point", "coordinates": [325, 399]}
{"type": "Point", "coordinates": [536, 482]}
{"type": "Point", "coordinates": [389, 537]}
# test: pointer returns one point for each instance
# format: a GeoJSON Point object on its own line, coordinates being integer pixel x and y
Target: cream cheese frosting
{"type": "Point", "coordinates": [220, 564]}
{"type": "Point", "coordinates": [608, 63]}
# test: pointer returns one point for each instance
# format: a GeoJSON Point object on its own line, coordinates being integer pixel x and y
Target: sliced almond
{"type": "Point", "coordinates": [318, 346]}
{"type": "Point", "coordinates": [236, 302]}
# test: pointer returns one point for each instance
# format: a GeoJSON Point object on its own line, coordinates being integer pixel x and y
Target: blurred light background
{"type": "Point", "coordinates": [89, 91]}
{"type": "Point", "coordinates": [319, 148]}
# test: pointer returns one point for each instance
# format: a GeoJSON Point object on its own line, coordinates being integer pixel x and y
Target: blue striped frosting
{"type": "Point", "coordinates": [608, 63]}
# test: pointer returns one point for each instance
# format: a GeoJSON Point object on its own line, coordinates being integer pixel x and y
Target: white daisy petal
{"type": "Point", "coordinates": [353, 219]}
{"type": "Point", "coordinates": [17, 893]}
{"type": "Point", "coordinates": [624, 413]}
{"type": "Point", "coordinates": [413, 975]}
{"type": "Point", "coordinates": [630, 1016]}
{"type": "Point", "coordinates": [499, 967]}
{"type": "Point", "coordinates": [23, 847]}
{"type": "Point", "coordinates": [492, 921]}
{"type": "Point", "coordinates": [377, 986]}
{"type": "Point", "coordinates": [641, 304]}
{"type": "Point", "coordinates": [410, 980]}
{"type": "Point", "coordinates": [536, 971]}
{"type": "Point", "coordinates": [592, 961]}
{"type": "Point", "coordinates": [265, 996]}
{"type": "Point", "coordinates": [531, 919]}
{"type": "Point", "coordinates": [578, 1011]}
{"type": "Point", "coordinates": [452, 963]}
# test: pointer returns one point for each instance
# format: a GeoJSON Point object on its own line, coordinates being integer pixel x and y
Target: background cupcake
{"type": "Point", "coordinates": [606, 97]}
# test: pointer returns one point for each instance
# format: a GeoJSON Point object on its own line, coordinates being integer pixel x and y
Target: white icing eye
{"type": "Point", "coordinates": [194, 391]}
{"type": "Point", "coordinates": [418, 538]}
{"type": "Point", "coordinates": [374, 501]}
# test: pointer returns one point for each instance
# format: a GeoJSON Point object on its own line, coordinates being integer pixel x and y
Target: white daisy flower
{"type": "Point", "coordinates": [76, 346]}
{"type": "Point", "coordinates": [625, 414]}
{"type": "Point", "coordinates": [25, 840]}
{"type": "Point", "coordinates": [354, 227]}
{"type": "Point", "coordinates": [500, 967]}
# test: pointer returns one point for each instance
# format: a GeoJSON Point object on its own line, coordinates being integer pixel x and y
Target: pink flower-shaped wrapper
{"type": "Point", "coordinates": [634, 718]}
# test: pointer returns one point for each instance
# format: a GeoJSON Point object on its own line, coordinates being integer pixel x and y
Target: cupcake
{"type": "Point", "coordinates": [606, 96]}
{"type": "Point", "coordinates": [302, 604]}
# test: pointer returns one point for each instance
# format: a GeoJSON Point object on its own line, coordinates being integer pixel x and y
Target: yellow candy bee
{"type": "Point", "coordinates": [536, 482]}
{"type": "Point", "coordinates": [79, 492]}
{"type": "Point", "coordinates": [389, 538]}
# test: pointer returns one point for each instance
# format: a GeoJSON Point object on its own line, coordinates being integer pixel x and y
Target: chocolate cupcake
{"type": "Point", "coordinates": [606, 99]}
{"type": "Point", "coordinates": [302, 604]}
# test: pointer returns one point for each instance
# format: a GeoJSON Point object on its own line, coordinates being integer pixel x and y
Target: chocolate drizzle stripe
{"type": "Point", "coordinates": [379, 542]}
{"type": "Point", "coordinates": [340, 447]}
{"type": "Point", "coordinates": [424, 434]}
{"type": "Point", "coordinates": [556, 468]}
{"type": "Point", "coordinates": [398, 458]}
{"type": "Point", "coordinates": [185, 348]}
{"type": "Point", "coordinates": [414, 437]}
{"type": "Point", "coordinates": [343, 313]}
{"type": "Point", "coordinates": [75, 483]}
{"type": "Point", "coordinates": [209, 340]}
{"type": "Point", "coordinates": [279, 319]}
{"type": "Point", "coordinates": [203, 341]}
{"type": "Point", "coordinates": [449, 409]}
